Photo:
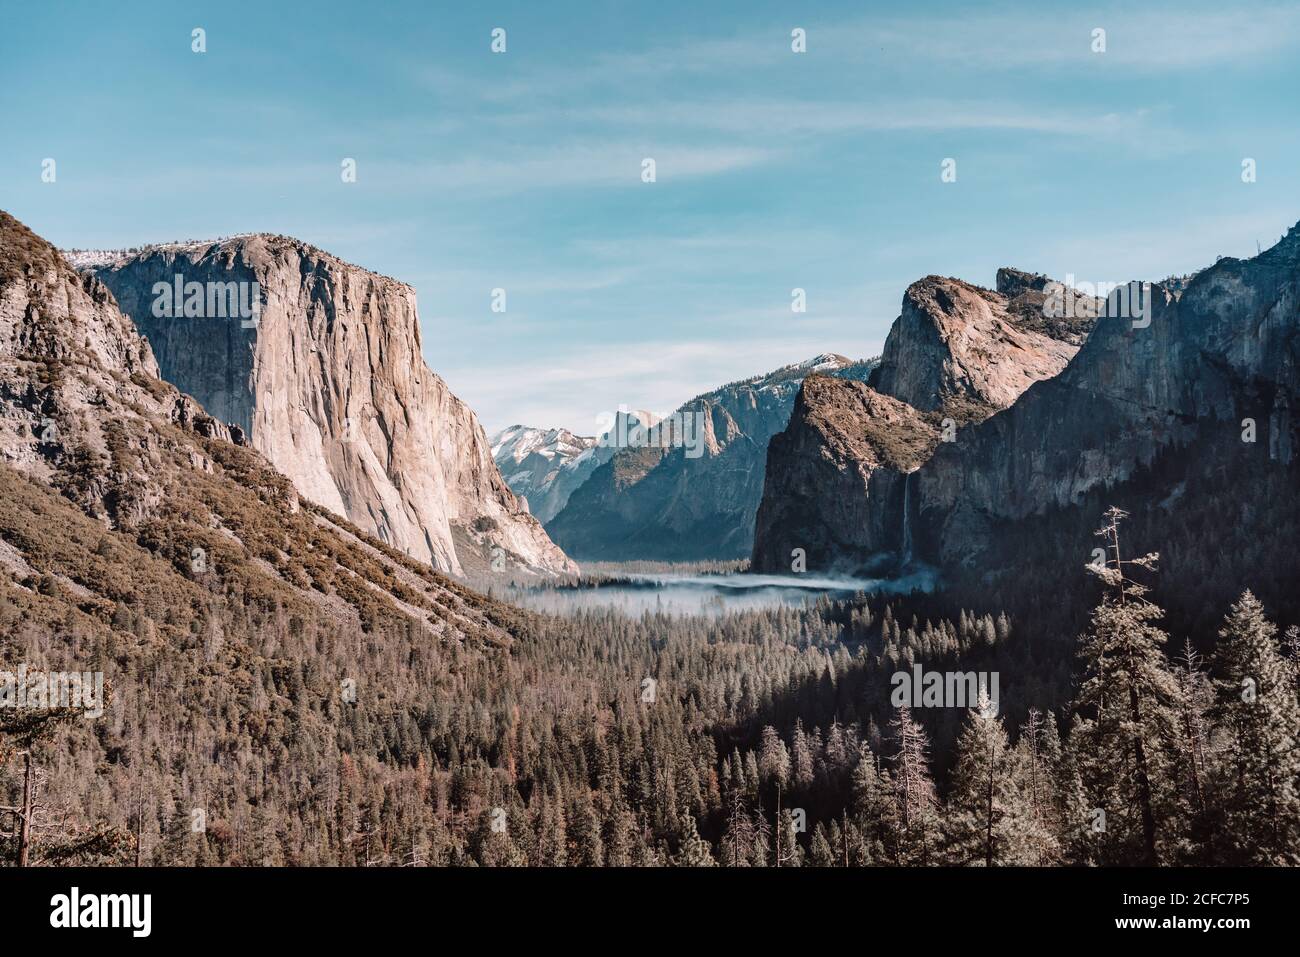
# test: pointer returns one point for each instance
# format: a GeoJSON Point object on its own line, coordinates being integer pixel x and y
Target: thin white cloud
{"type": "Point", "coordinates": [785, 117]}
{"type": "Point", "coordinates": [1152, 39]}
{"type": "Point", "coordinates": [597, 164]}
{"type": "Point", "coordinates": [1031, 35]}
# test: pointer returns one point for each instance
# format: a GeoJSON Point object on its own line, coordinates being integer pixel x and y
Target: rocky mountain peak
{"type": "Point", "coordinates": [1012, 282]}
{"type": "Point", "coordinates": [956, 355]}
{"type": "Point", "coordinates": [954, 340]}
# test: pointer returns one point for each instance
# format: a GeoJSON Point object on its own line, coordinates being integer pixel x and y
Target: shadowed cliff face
{"type": "Point", "coordinates": [847, 446]}
{"type": "Point", "coordinates": [1211, 366]}
{"type": "Point", "coordinates": [837, 483]}
{"type": "Point", "coordinates": [330, 384]}
{"type": "Point", "coordinates": [1223, 352]}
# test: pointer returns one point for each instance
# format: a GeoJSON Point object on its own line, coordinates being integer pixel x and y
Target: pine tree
{"type": "Point", "coordinates": [875, 810]}
{"type": "Point", "coordinates": [786, 851]}
{"type": "Point", "coordinates": [1077, 817]}
{"type": "Point", "coordinates": [620, 835]}
{"type": "Point", "coordinates": [693, 850]}
{"type": "Point", "coordinates": [773, 758]}
{"type": "Point", "coordinates": [821, 852]}
{"type": "Point", "coordinates": [913, 790]}
{"type": "Point", "coordinates": [1130, 699]}
{"type": "Point", "coordinates": [588, 847]}
{"type": "Point", "coordinates": [1258, 710]}
{"type": "Point", "coordinates": [1196, 701]}
{"type": "Point", "coordinates": [738, 838]}
{"type": "Point", "coordinates": [552, 845]}
{"type": "Point", "coordinates": [988, 821]}
{"type": "Point", "coordinates": [1037, 759]}
{"type": "Point", "coordinates": [801, 758]}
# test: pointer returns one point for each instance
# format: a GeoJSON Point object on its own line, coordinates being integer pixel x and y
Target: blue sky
{"type": "Point", "coordinates": [775, 170]}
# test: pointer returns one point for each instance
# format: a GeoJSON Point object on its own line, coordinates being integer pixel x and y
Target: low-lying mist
{"type": "Point", "coordinates": [704, 594]}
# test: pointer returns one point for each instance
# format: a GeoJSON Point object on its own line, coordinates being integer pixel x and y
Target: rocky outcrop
{"type": "Point", "coordinates": [694, 500]}
{"type": "Point", "coordinates": [328, 382]}
{"type": "Point", "coordinates": [1221, 357]}
{"type": "Point", "coordinates": [79, 387]}
{"type": "Point", "coordinates": [847, 448]}
{"type": "Point", "coordinates": [837, 480]}
{"type": "Point", "coordinates": [953, 340]}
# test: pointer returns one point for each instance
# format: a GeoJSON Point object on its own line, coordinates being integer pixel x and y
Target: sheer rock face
{"type": "Point", "coordinates": [1216, 355]}
{"type": "Point", "coordinates": [79, 387]}
{"type": "Point", "coordinates": [954, 339]}
{"type": "Point", "coordinates": [1224, 350]}
{"type": "Point", "coordinates": [330, 385]}
{"type": "Point", "coordinates": [188, 522]}
{"type": "Point", "coordinates": [837, 481]}
{"type": "Point", "coordinates": [847, 448]}
{"type": "Point", "coordinates": [666, 504]}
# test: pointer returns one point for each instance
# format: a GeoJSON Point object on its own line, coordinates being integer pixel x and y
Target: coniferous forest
{"type": "Point", "coordinates": [752, 739]}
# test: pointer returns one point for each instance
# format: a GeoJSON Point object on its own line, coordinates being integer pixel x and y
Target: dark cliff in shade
{"type": "Point", "coordinates": [836, 478]}
{"type": "Point", "coordinates": [1215, 368]}
{"type": "Point", "coordinates": [1186, 420]}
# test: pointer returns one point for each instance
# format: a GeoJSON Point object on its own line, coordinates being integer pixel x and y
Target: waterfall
{"type": "Point", "coordinates": [907, 519]}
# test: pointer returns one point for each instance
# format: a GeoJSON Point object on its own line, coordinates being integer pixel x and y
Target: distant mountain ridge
{"type": "Point", "coordinates": [667, 504]}
{"type": "Point", "coordinates": [543, 466]}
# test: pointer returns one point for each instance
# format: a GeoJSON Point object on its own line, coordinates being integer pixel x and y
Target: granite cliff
{"type": "Point", "coordinates": [328, 382]}
{"type": "Point", "coordinates": [1215, 364]}
{"type": "Point", "coordinates": [838, 478]}
{"type": "Point", "coordinates": [125, 500]}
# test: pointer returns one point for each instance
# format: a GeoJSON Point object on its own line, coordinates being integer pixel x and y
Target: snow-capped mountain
{"type": "Point", "coordinates": [545, 466]}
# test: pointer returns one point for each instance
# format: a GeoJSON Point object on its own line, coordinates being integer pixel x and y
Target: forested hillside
{"type": "Point", "coordinates": [765, 738]}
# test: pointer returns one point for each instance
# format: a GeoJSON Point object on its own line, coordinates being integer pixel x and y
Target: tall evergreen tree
{"type": "Point", "coordinates": [1037, 759]}
{"type": "Point", "coordinates": [1196, 701]}
{"type": "Point", "coordinates": [693, 850]}
{"type": "Point", "coordinates": [1129, 703]}
{"type": "Point", "coordinates": [989, 819]}
{"type": "Point", "coordinates": [914, 790]}
{"type": "Point", "coordinates": [875, 810]}
{"type": "Point", "coordinates": [1261, 767]}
